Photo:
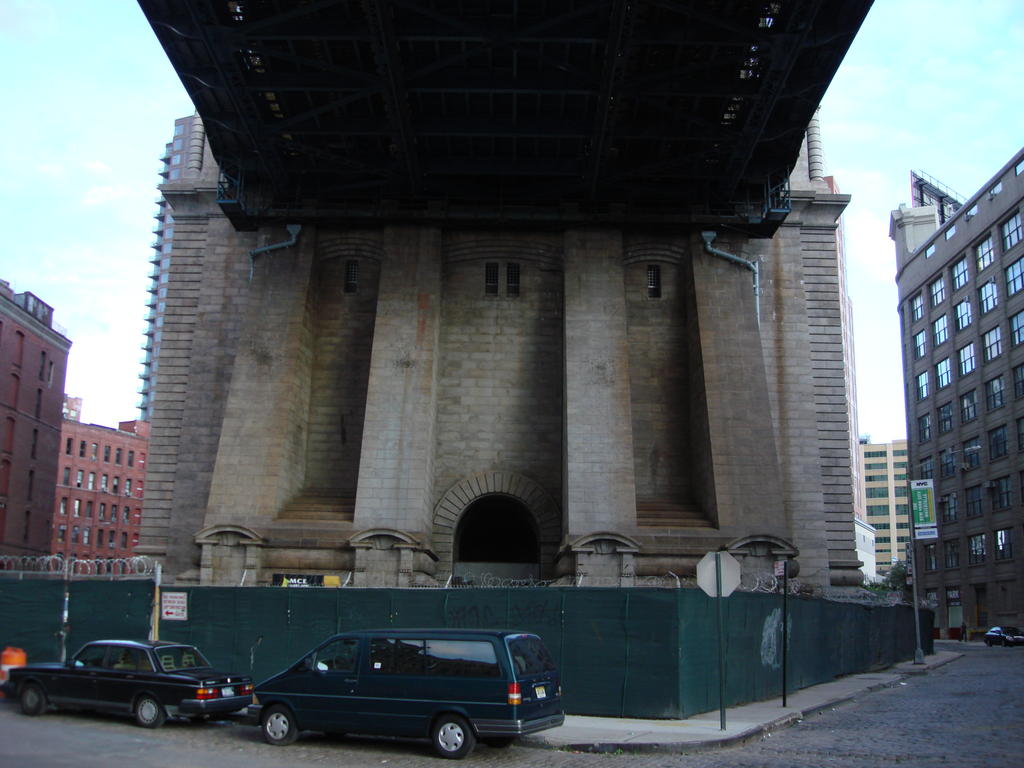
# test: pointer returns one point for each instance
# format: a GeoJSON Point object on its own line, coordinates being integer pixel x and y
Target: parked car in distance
{"type": "Point", "coordinates": [451, 686]}
{"type": "Point", "coordinates": [150, 680]}
{"type": "Point", "coordinates": [1004, 636]}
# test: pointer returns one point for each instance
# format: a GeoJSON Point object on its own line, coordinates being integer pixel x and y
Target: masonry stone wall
{"type": "Point", "coordinates": [499, 404]}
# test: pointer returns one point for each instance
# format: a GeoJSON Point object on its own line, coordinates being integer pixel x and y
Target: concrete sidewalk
{"type": "Point", "coordinates": [743, 723]}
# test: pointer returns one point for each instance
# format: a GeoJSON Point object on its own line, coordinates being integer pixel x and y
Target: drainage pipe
{"type": "Point", "coordinates": [709, 237]}
{"type": "Point", "coordinates": [293, 231]}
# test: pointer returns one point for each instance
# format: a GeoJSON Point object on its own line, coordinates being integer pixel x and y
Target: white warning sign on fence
{"type": "Point", "coordinates": [174, 606]}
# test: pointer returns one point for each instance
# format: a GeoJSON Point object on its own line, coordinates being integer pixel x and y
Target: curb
{"type": "Point", "coordinates": [745, 737]}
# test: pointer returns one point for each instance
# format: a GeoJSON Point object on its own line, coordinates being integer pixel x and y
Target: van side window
{"type": "Point", "coordinates": [461, 658]}
{"type": "Point", "coordinates": [394, 656]}
{"type": "Point", "coordinates": [339, 656]}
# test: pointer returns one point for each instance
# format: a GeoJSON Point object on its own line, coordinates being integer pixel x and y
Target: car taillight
{"type": "Point", "coordinates": [244, 689]}
{"type": "Point", "coordinates": [515, 695]}
{"type": "Point", "coordinates": [207, 693]}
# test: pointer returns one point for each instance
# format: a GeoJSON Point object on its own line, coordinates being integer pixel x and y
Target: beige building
{"type": "Point", "coordinates": [883, 479]}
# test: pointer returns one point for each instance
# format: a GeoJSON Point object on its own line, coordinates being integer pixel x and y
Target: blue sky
{"type": "Point", "coordinates": [91, 101]}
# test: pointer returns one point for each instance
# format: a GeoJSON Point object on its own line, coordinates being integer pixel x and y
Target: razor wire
{"type": "Point", "coordinates": [59, 566]}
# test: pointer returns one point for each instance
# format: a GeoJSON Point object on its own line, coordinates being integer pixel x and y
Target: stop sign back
{"type": "Point", "coordinates": [707, 580]}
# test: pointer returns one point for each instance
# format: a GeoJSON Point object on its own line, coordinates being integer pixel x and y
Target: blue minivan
{"type": "Point", "coordinates": [452, 686]}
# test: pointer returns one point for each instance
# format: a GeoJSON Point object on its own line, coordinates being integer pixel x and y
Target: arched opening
{"type": "Point", "coordinates": [497, 537]}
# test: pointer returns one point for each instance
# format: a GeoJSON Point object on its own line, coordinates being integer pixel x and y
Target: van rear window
{"type": "Point", "coordinates": [529, 655]}
{"type": "Point", "coordinates": [452, 658]}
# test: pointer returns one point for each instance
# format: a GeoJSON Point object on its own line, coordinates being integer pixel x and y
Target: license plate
{"type": "Point", "coordinates": [540, 691]}
{"type": "Point", "coordinates": [227, 691]}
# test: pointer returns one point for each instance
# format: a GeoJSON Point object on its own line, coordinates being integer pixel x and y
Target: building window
{"type": "Point", "coordinates": [103, 511]}
{"type": "Point", "coordinates": [79, 478]}
{"type": "Point", "coordinates": [512, 278]}
{"type": "Point", "coordinates": [491, 278]}
{"type": "Point", "coordinates": [131, 458]}
{"type": "Point", "coordinates": [81, 449]}
{"type": "Point", "coordinates": [62, 532]}
{"type": "Point", "coordinates": [1011, 230]}
{"type": "Point", "coordinates": [1017, 329]}
{"type": "Point", "coordinates": [965, 356]}
{"type": "Point", "coordinates": [117, 456]}
{"type": "Point", "coordinates": [654, 281]}
{"type": "Point", "coordinates": [926, 470]}
{"type": "Point", "coordinates": [972, 499]}
{"type": "Point", "coordinates": [960, 274]}
{"type": "Point", "coordinates": [1015, 277]}
{"type": "Point", "coordinates": [921, 385]}
{"type": "Point", "coordinates": [920, 344]}
{"type": "Point", "coordinates": [64, 505]}
{"type": "Point", "coordinates": [994, 393]}
{"type": "Point", "coordinates": [1004, 543]}
{"type": "Point", "coordinates": [947, 463]}
{"type": "Point", "coordinates": [988, 297]}
{"type": "Point", "coordinates": [94, 451]}
{"type": "Point", "coordinates": [103, 483]}
{"type": "Point", "coordinates": [997, 443]}
{"type": "Point", "coordinates": [88, 509]}
{"type": "Point", "coordinates": [984, 254]}
{"type": "Point", "coordinates": [1020, 434]}
{"type": "Point", "coordinates": [916, 308]}
{"type": "Point", "coordinates": [1018, 381]}
{"type": "Point", "coordinates": [99, 537]}
{"type": "Point", "coordinates": [124, 540]}
{"type": "Point", "coordinates": [877, 493]}
{"type": "Point", "coordinates": [945, 419]}
{"type": "Point", "coordinates": [972, 453]}
{"type": "Point", "coordinates": [351, 276]}
{"type": "Point", "coordinates": [924, 428]}
{"type": "Point", "coordinates": [940, 330]}
{"type": "Point", "coordinates": [128, 486]}
{"type": "Point", "coordinates": [943, 374]}
{"type": "Point", "coordinates": [937, 291]}
{"type": "Point", "coordinates": [963, 314]}
{"type": "Point", "coordinates": [1002, 495]}
{"type": "Point", "coordinates": [948, 507]}
{"type": "Point", "coordinates": [931, 560]}
{"type": "Point", "coordinates": [993, 343]}
{"type": "Point", "coordinates": [113, 488]}
{"type": "Point", "coordinates": [976, 549]}
{"type": "Point", "coordinates": [68, 446]}
{"type": "Point", "coordinates": [106, 453]}
{"type": "Point", "coordinates": [951, 559]}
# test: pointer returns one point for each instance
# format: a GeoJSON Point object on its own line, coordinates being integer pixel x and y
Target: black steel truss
{"type": "Point", "coordinates": [609, 110]}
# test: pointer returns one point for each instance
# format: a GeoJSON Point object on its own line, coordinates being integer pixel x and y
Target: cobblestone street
{"type": "Point", "coordinates": [967, 713]}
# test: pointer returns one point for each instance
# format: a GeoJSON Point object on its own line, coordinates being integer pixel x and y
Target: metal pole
{"type": "Point", "coordinates": [785, 626]}
{"type": "Point", "coordinates": [911, 557]}
{"type": "Point", "coordinates": [721, 644]}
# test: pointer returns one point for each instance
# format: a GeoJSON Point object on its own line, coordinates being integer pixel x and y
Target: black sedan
{"type": "Point", "coordinates": [150, 680]}
{"type": "Point", "coordinates": [1004, 636]}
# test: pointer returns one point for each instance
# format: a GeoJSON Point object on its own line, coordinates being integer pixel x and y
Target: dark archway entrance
{"type": "Point", "coordinates": [496, 537]}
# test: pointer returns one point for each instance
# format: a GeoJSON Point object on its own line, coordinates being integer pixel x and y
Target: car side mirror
{"type": "Point", "coordinates": [77, 663]}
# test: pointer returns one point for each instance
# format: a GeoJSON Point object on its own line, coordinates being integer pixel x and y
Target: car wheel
{"type": "Point", "coordinates": [148, 712]}
{"type": "Point", "coordinates": [988, 642]}
{"type": "Point", "coordinates": [498, 742]}
{"type": "Point", "coordinates": [278, 726]}
{"type": "Point", "coordinates": [1006, 642]}
{"type": "Point", "coordinates": [452, 737]}
{"type": "Point", "coordinates": [32, 699]}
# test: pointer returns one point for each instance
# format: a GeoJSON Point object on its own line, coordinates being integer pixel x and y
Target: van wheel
{"type": "Point", "coordinates": [279, 726]}
{"type": "Point", "coordinates": [32, 699]}
{"type": "Point", "coordinates": [148, 712]}
{"type": "Point", "coordinates": [498, 742]}
{"type": "Point", "coordinates": [452, 737]}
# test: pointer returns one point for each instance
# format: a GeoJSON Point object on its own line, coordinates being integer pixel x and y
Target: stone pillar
{"type": "Point", "coordinates": [742, 484]}
{"type": "Point", "coordinates": [261, 458]}
{"type": "Point", "coordinates": [599, 486]}
{"type": "Point", "coordinates": [396, 462]}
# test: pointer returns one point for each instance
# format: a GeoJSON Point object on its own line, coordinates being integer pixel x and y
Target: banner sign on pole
{"type": "Point", "coordinates": [922, 503]}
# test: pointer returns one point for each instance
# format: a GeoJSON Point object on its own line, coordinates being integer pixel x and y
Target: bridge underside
{"type": "Point", "coordinates": [576, 111]}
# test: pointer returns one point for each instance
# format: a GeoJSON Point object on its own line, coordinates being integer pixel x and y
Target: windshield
{"type": "Point", "coordinates": [175, 657]}
{"type": "Point", "coordinates": [529, 655]}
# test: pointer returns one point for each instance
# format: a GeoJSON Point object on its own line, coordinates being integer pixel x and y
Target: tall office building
{"type": "Point", "coordinates": [883, 486]}
{"type": "Point", "coordinates": [178, 161]}
{"type": "Point", "coordinates": [33, 362]}
{"type": "Point", "coordinates": [961, 302]}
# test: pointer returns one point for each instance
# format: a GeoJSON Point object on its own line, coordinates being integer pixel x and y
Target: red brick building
{"type": "Point", "coordinates": [100, 475]}
{"type": "Point", "coordinates": [33, 362]}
